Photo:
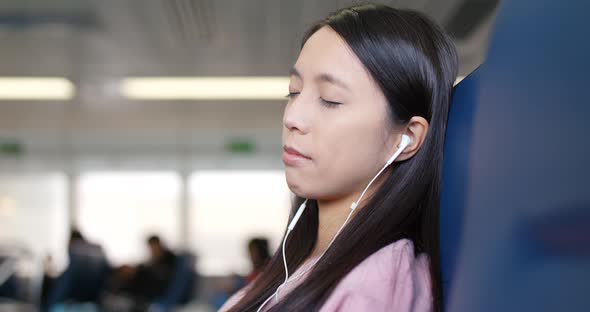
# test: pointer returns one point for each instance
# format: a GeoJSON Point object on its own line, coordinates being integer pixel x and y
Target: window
{"type": "Point", "coordinates": [119, 210]}
{"type": "Point", "coordinates": [34, 216]}
{"type": "Point", "coordinates": [229, 207]}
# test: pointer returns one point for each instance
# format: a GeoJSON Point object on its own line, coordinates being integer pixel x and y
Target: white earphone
{"type": "Point", "coordinates": [405, 142]}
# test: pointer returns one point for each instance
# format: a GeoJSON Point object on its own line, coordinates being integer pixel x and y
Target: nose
{"type": "Point", "coordinates": [295, 116]}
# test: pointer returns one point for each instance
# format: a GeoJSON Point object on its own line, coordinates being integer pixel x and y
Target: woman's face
{"type": "Point", "coordinates": [337, 118]}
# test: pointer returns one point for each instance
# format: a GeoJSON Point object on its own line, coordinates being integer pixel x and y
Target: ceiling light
{"type": "Point", "coordinates": [205, 88]}
{"type": "Point", "coordinates": [35, 88]}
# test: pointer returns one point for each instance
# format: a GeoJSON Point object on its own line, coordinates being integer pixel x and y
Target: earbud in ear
{"type": "Point", "coordinates": [406, 140]}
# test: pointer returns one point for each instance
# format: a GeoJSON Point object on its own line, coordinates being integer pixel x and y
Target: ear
{"type": "Point", "coordinates": [416, 129]}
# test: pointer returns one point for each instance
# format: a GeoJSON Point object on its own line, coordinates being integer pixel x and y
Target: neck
{"type": "Point", "coordinates": [333, 213]}
{"type": "Point", "coordinates": [331, 216]}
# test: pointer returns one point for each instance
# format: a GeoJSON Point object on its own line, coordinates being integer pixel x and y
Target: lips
{"type": "Point", "coordinates": [293, 157]}
{"type": "Point", "coordinates": [293, 151]}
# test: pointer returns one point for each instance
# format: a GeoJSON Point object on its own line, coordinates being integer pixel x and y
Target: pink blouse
{"type": "Point", "coordinates": [391, 279]}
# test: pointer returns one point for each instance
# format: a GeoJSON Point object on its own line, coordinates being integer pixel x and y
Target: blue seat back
{"type": "Point", "coordinates": [515, 219]}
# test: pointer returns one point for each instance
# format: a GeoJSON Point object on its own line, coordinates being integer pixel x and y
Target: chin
{"type": "Point", "coordinates": [294, 187]}
{"type": "Point", "coordinates": [297, 188]}
{"type": "Point", "coordinates": [304, 192]}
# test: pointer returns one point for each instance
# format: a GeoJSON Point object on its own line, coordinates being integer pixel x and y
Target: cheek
{"type": "Point", "coordinates": [350, 159]}
{"type": "Point", "coordinates": [357, 163]}
{"type": "Point", "coordinates": [355, 145]}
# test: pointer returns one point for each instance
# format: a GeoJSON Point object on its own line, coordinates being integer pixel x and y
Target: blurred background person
{"type": "Point", "coordinates": [258, 253]}
{"type": "Point", "coordinates": [259, 256]}
{"type": "Point", "coordinates": [152, 278]}
{"type": "Point", "coordinates": [142, 284]}
{"type": "Point", "coordinates": [83, 280]}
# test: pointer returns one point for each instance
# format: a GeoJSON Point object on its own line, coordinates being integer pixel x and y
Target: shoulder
{"type": "Point", "coordinates": [389, 265]}
{"type": "Point", "coordinates": [391, 277]}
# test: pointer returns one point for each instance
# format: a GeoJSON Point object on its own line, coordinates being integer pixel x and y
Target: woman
{"type": "Point", "coordinates": [370, 82]}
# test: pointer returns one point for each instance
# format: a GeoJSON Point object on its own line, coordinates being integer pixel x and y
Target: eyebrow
{"type": "Point", "coordinates": [322, 77]}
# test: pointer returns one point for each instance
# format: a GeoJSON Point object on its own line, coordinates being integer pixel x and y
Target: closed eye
{"type": "Point", "coordinates": [329, 103]}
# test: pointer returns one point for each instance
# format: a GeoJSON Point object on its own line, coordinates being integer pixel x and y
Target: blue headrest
{"type": "Point", "coordinates": [515, 219]}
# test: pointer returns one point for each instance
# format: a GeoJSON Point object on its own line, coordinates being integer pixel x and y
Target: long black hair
{"type": "Point", "coordinates": [415, 65]}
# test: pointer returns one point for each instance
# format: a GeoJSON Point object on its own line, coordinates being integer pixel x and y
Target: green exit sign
{"type": "Point", "coordinates": [11, 148]}
{"type": "Point", "coordinates": [242, 146]}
